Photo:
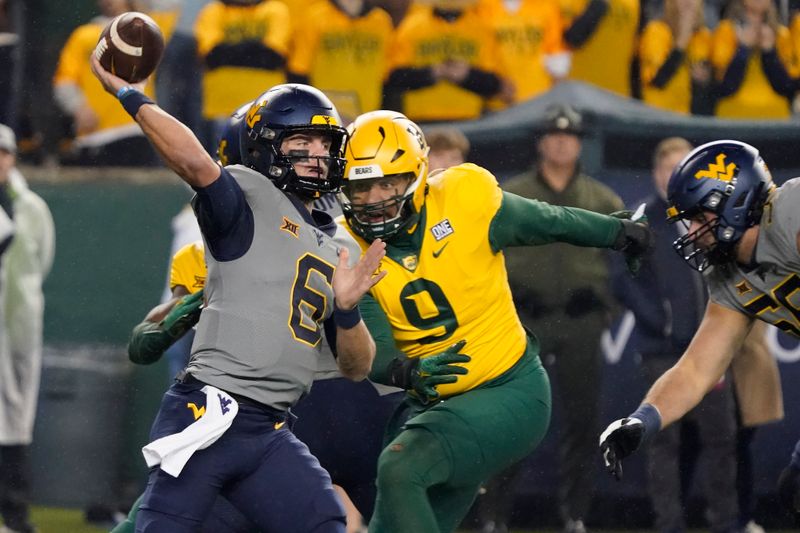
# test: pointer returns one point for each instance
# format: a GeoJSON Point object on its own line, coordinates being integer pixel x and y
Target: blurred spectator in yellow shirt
{"type": "Point", "coordinates": [602, 35]}
{"type": "Point", "coordinates": [752, 56]}
{"type": "Point", "coordinates": [342, 49]}
{"type": "Point", "coordinates": [243, 45]}
{"type": "Point", "coordinates": [105, 133]}
{"type": "Point", "coordinates": [445, 64]}
{"type": "Point", "coordinates": [674, 54]}
{"type": "Point", "coordinates": [530, 39]}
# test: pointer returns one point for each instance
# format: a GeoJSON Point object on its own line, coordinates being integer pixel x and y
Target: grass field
{"type": "Point", "coordinates": [51, 520]}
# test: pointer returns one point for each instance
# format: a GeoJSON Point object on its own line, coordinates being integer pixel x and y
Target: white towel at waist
{"type": "Point", "coordinates": [173, 451]}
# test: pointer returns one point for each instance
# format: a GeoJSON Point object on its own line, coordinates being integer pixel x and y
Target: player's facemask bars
{"type": "Point", "coordinates": [686, 245]}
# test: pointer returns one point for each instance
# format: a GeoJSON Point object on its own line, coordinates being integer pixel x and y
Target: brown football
{"type": "Point", "coordinates": [130, 46]}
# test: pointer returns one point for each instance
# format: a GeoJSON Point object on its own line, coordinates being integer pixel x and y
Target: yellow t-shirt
{"type": "Point", "coordinates": [423, 40]}
{"type": "Point", "coordinates": [456, 287]}
{"type": "Point", "coordinates": [345, 58]}
{"type": "Point", "coordinates": [605, 58]}
{"type": "Point", "coordinates": [74, 68]}
{"type": "Point", "coordinates": [524, 38]}
{"type": "Point", "coordinates": [189, 268]}
{"type": "Point", "coordinates": [226, 88]}
{"type": "Point", "coordinates": [755, 99]}
{"type": "Point", "coordinates": [654, 48]}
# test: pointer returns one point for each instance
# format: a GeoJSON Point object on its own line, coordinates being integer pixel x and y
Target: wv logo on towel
{"type": "Point", "coordinates": [224, 403]}
{"type": "Point", "coordinates": [196, 411]}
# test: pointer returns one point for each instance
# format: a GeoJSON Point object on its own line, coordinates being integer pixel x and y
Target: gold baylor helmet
{"type": "Point", "coordinates": [384, 144]}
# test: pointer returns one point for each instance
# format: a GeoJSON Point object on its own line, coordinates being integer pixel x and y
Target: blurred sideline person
{"type": "Point", "coordinates": [667, 299]}
{"type": "Point", "coordinates": [759, 401]}
{"type": "Point", "coordinates": [448, 147]}
{"type": "Point", "coordinates": [744, 235]}
{"type": "Point", "coordinates": [446, 292]}
{"type": "Point", "coordinates": [248, 365]}
{"type": "Point", "coordinates": [25, 264]}
{"type": "Point", "coordinates": [104, 134]}
{"type": "Point", "coordinates": [559, 290]}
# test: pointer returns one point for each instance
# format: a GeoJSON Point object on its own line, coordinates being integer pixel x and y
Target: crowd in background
{"type": "Point", "coordinates": [434, 60]}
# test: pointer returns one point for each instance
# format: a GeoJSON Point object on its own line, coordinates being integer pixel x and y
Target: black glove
{"type": "Point", "coordinates": [620, 439]}
{"type": "Point", "coordinates": [789, 489]}
{"type": "Point", "coordinates": [420, 376]}
{"type": "Point", "coordinates": [635, 239]}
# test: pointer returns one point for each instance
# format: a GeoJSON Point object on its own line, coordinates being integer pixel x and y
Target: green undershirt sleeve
{"type": "Point", "coordinates": [524, 222]}
{"type": "Point", "coordinates": [381, 330]}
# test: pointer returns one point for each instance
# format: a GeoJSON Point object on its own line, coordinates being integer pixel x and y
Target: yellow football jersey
{"type": "Point", "coordinates": [344, 57]}
{"type": "Point", "coordinates": [524, 38]}
{"type": "Point", "coordinates": [755, 99]}
{"type": "Point", "coordinates": [226, 88]}
{"type": "Point", "coordinates": [655, 47]}
{"type": "Point", "coordinates": [455, 286]}
{"type": "Point", "coordinates": [189, 268]}
{"type": "Point", "coordinates": [605, 58]}
{"type": "Point", "coordinates": [423, 40]}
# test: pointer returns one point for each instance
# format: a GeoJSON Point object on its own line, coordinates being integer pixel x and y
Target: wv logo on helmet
{"type": "Point", "coordinates": [718, 170]}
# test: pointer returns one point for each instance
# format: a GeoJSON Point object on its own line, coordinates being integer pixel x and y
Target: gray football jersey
{"type": "Point", "coordinates": [771, 292]}
{"type": "Point", "coordinates": [260, 334]}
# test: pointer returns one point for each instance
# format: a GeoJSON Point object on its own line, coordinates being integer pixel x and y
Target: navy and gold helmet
{"type": "Point", "coordinates": [279, 113]}
{"type": "Point", "coordinates": [727, 178]}
{"type": "Point", "coordinates": [228, 151]}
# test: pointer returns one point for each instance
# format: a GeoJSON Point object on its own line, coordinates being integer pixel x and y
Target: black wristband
{"type": "Point", "coordinates": [132, 100]}
{"type": "Point", "coordinates": [400, 369]}
{"type": "Point", "coordinates": [346, 319]}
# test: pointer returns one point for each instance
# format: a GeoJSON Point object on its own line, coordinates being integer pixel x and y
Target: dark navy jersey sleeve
{"type": "Point", "coordinates": [225, 218]}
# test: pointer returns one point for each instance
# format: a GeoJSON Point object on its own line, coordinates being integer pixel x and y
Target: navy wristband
{"type": "Point", "coordinates": [346, 319]}
{"type": "Point", "coordinates": [132, 100]}
{"type": "Point", "coordinates": [651, 419]}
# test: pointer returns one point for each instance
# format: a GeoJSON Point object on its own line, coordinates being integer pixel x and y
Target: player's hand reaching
{"type": "Point", "coordinates": [420, 376]}
{"type": "Point", "coordinates": [350, 284]}
{"type": "Point", "coordinates": [183, 316]}
{"type": "Point", "coordinates": [620, 439]}
{"type": "Point", "coordinates": [635, 238]}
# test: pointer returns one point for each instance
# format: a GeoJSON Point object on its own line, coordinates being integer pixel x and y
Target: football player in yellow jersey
{"type": "Point", "coordinates": [447, 290]}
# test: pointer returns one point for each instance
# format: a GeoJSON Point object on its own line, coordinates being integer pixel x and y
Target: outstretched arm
{"type": "Point", "coordinates": [679, 389]}
{"type": "Point", "coordinates": [177, 145]}
{"type": "Point", "coordinates": [163, 325]}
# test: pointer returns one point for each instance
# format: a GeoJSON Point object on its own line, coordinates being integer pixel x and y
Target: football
{"type": "Point", "coordinates": [130, 46]}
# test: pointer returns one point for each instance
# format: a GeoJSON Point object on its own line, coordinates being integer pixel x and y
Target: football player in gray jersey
{"type": "Point", "coordinates": [743, 234]}
{"type": "Point", "coordinates": [276, 270]}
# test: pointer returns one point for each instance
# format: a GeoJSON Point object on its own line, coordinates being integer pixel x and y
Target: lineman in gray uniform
{"type": "Point", "coordinates": [273, 274]}
{"type": "Point", "coordinates": [743, 233]}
